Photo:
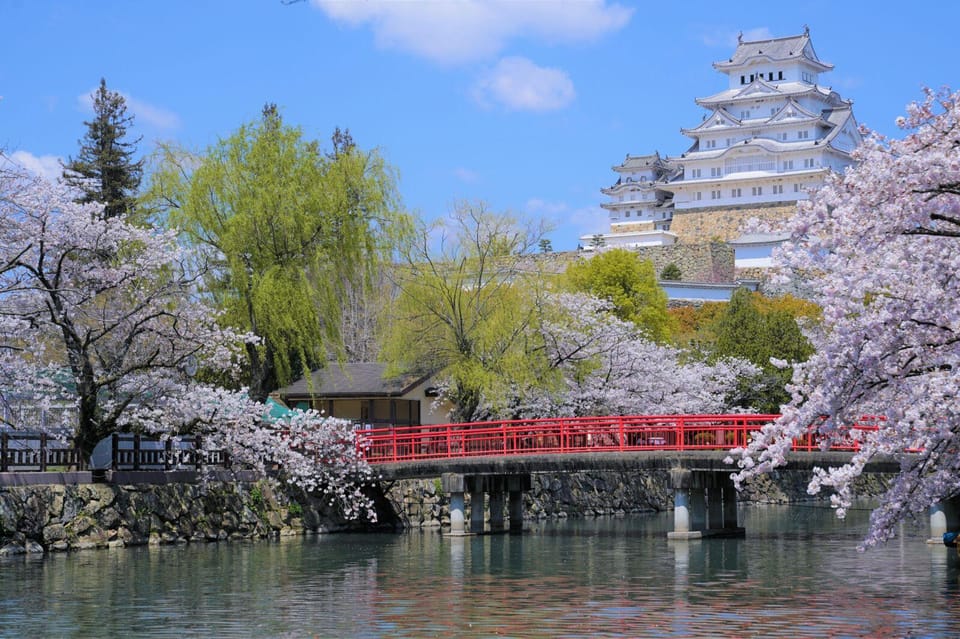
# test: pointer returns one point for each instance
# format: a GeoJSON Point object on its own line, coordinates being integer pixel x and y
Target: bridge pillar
{"type": "Point", "coordinates": [453, 485]}
{"type": "Point", "coordinates": [477, 504]}
{"type": "Point", "coordinates": [944, 517]}
{"type": "Point", "coordinates": [704, 504]}
{"type": "Point", "coordinates": [728, 493]}
{"type": "Point", "coordinates": [516, 484]}
{"type": "Point", "coordinates": [496, 509]}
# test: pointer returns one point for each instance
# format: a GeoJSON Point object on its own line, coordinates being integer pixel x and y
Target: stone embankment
{"type": "Point", "coordinates": [38, 518]}
{"type": "Point", "coordinates": [56, 517]}
{"type": "Point", "coordinates": [420, 503]}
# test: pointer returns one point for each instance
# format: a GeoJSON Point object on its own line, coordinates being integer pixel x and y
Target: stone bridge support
{"type": "Point", "coordinates": [944, 517]}
{"type": "Point", "coordinates": [479, 486]}
{"type": "Point", "coordinates": [704, 504]}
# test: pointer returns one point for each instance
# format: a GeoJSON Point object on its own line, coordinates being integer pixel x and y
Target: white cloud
{"type": "Point", "coordinates": [539, 206]}
{"type": "Point", "coordinates": [728, 38]}
{"type": "Point", "coordinates": [589, 220]}
{"type": "Point", "coordinates": [466, 175]}
{"type": "Point", "coordinates": [46, 166]}
{"type": "Point", "coordinates": [520, 85]}
{"type": "Point", "coordinates": [144, 111]}
{"type": "Point", "coordinates": [454, 32]}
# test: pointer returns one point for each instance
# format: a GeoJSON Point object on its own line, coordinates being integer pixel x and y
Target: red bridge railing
{"type": "Point", "coordinates": [571, 435]}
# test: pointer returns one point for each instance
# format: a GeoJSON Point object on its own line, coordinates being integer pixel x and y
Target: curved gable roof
{"type": "Point", "coordinates": [773, 50]}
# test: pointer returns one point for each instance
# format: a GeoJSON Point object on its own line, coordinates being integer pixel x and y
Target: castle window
{"type": "Point", "coordinates": [714, 195]}
{"type": "Point", "coordinates": [783, 136]}
{"type": "Point", "coordinates": [788, 165]}
{"type": "Point", "coordinates": [777, 189]}
{"type": "Point", "coordinates": [711, 144]}
{"type": "Point", "coordinates": [796, 188]}
{"type": "Point", "coordinates": [695, 173]}
{"type": "Point", "coordinates": [809, 163]}
{"type": "Point", "coordinates": [735, 193]}
{"type": "Point", "coordinates": [627, 214]}
{"type": "Point", "coordinates": [716, 171]}
{"type": "Point", "coordinates": [757, 190]}
{"type": "Point", "coordinates": [744, 115]}
{"type": "Point", "coordinates": [743, 79]}
{"type": "Point", "coordinates": [780, 75]}
{"type": "Point", "coordinates": [770, 76]}
{"type": "Point", "coordinates": [803, 135]}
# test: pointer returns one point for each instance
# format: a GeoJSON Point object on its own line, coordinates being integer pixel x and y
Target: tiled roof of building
{"type": "Point", "coordinates": [352, 379]}
{"type": "Point", "coordinates": [775, 49]}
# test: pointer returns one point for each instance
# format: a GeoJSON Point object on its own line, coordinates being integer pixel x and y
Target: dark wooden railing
{"type": "Point", "coordinates": [20, 451]}
{"type": "Point", "coordinates": [35, 451]}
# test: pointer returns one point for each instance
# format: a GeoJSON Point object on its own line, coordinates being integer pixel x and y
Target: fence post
{"type": "Point", "coordinates": [681, 434]}
{"type": "Point", "coordinates": [4, 447]}
{"type": "Point", "coordinates": [198, 451]}
{"type": "Point", "coordinates": [167, 454]}
{"type": "Point", "coordinates": [43, 452]}
{"type": "Point", "coordinates": [622, 438]}
{"type": "Point", "coordinates": [136, 451]}
{"type": "Point", "coordinates": [114, 450]}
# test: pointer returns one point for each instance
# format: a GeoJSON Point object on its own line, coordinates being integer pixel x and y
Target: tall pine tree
{"type": "Point", "coordinates": [105, 169]}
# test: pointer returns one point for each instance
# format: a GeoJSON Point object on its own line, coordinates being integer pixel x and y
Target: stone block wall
{"type": "Point", "coordinates": [47, 517]}
{"type": "Point", "coordinates": [724, 223]}
{"type": "Point", "coordinates": [420, 503]}
{"type": "Point", "coordinates": [711, 262]}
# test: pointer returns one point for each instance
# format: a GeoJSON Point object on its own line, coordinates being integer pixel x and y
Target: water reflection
{"type": "Point", "coordinates": [797, 574]}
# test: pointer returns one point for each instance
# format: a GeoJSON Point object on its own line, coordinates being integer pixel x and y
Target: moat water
{"type": "Point", "coordinates": [796, 574]}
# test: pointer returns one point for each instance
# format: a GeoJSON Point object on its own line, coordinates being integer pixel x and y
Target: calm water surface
{"type": "Point", "coordinates": [797, 574]}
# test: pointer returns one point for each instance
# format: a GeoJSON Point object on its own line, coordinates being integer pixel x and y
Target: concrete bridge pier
{"type": "Point", "coordinates": [704, 504]}
{"type": "Point", "coordinates": [456, 485]}
{"type": "Point", "coordinates": [944, 517]}
{"type": "Point", "coordinates": [453, 485]}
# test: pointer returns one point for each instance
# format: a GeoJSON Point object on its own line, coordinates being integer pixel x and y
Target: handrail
{"type": "Point", "coordinates": [575, 434]}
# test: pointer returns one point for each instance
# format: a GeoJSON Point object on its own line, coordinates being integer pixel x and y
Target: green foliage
{"type": "Point", "coordinates": [288, 230]}
{"type": "Point", "coordinates": [670, 273]}
{"type": "Point", "coordinates": [466, 296]}
{"type": "Point", "coordinates": [628, 282]}
{"type": "Point", "coordinates": [258, 502]}
{"type": "Point", "coordinates": [758, 329]}
{"type": "Point", "coordinates": [105, 170]}
{"type": "Point", "coordinates": [295, 509]}
{"type": "Point", "coordinates": [545, 245]}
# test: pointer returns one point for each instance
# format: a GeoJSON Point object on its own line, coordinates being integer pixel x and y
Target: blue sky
{"type": "Point", "coordinates": [522, 104]}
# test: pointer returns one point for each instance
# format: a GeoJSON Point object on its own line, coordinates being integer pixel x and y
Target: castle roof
{"type": "Point", "coordinates": [789, 48]}
{"type": "Point", "coordinates": [780, 90]}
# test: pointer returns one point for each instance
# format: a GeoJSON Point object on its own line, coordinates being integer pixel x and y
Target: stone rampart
{"type": "Point", "coordinates": [711, 262]}
{"type": "Point", "coordinates": [724, 223]}
{"type": "Point", "coordinates": [46, 517]}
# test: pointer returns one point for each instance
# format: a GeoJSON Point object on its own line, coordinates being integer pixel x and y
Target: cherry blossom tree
{"type": "Point", "coordinates": [597, 364]}
{"type": "Point", "coordinates": [103, 315]}
{"type": "Point", "coordinates": [878, 248]}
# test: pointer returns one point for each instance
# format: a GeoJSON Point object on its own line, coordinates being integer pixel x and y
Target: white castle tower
{"type": "Point", "coordinates": [766, 139]}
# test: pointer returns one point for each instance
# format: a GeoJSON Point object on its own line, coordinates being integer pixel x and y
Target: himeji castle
{"type": "Point", "coordinates": [769, 136]}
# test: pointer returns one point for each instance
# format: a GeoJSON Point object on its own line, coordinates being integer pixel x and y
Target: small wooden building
{"type": "Point", "coordinates": [360, 392]}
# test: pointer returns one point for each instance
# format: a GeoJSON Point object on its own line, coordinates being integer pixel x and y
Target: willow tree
{"type": "Point", "coordinates": [466, 298]}
{"type": "Point", "coordinates": [288, 230]}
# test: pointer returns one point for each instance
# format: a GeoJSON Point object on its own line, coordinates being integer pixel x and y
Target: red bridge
{"type": "Point", "coordinates": [574, 435]}
{"type": "Point", "coordinates": [496, 458]}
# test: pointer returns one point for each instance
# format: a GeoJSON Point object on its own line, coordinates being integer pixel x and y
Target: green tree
{"type": "Point", "coordinates": [467, 292]}
{"type": "Point", "coordinates": [105, 170]}
{"type": "Point", "coordinates": [755, 329]}
{"type": "Point", "coordinates": [288, 230]}
{"type": "Point", "coordinates": [670, 273]}
{"type": "Point", "coordinates": [628, 282]}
